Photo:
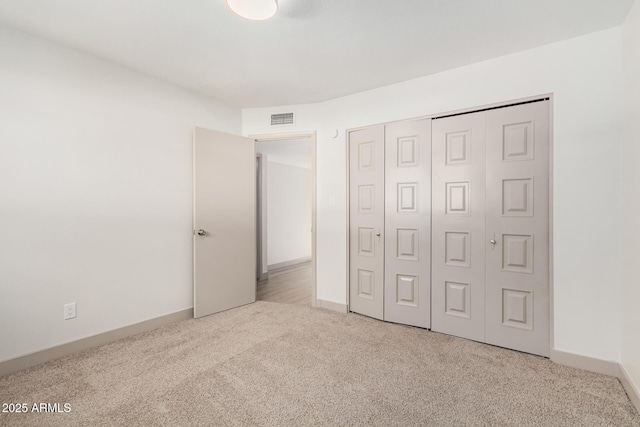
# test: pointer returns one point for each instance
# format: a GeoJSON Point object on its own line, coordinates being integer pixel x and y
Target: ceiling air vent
{"type": "Point", "coordinates": [282, 119]}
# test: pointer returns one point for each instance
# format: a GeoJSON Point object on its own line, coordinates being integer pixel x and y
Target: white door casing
{"type": "Point", "coordinates": [458, 221]}
{"type": "Point", "coordinates": [224, 220]}
{"type": "Point", "coordinates": [366, 218]}
{"type": "Point", "coordinates": [517, 269]}
{"type": "Point", "coordinates": [407, 223]}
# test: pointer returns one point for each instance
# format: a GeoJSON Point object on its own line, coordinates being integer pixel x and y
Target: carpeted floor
{"type": "Point", "coordinates": [273, 364]}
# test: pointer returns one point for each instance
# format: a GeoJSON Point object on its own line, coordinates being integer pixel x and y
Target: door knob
{"type": "Point", "coordinates": [201, 232]}
{"type": "Point", "coordinates": [378, 234]}
{"type": "Point", "coordinates": [492, 241]}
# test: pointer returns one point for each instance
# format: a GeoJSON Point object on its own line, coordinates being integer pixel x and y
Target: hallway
{"type": "Point", "coordinates": [289, 285]}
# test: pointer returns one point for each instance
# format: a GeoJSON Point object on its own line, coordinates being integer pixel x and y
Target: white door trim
{"type": "Point", "coordinates": [311, 136]}
{"type": "Point", "coordinates": [261, 223]}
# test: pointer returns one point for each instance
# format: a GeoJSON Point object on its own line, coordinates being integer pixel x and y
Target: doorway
{"type": "Point", "coordinates": [286, 218]}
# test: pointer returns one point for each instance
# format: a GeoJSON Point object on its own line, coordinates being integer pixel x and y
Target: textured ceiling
{"type": "Point", "coordinates": [312, 50]}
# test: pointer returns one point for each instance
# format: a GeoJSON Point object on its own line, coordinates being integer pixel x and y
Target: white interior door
{"type": "Point", "coordinates": [517, 289]}
{"type": "Point", "coordinates": [408, 223]}
{"type": "Point", "coordinates": [366, 219]}
{"type": "Point", "coordinates": [224, 240]}
{"type": "Point", "coordinates": [458, 226]}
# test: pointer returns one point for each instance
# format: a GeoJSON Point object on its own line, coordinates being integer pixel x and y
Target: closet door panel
{"type": "Point", "coordinates": [366, 221]}
{"type": "Point", "coordinates": [407, 222]}
{"type": "Point", "coordinates": [458, 220]}
{"type": "Point", "coordinates": [517, 289]}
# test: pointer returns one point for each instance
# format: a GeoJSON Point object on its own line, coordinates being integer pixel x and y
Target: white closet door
{"type": "Point", "coordinates": [407, 222]}
{"type": "Point", "coordinates": [517, 289]}
{"type": "Point", "coordinates": [458, 241]}
{"type": "Point", "coordinates": [366, 219]}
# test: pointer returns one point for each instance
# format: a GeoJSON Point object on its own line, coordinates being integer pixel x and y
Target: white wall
{"type": "Point", "coordinates": [95, 191]}
{"type": "Point", "coordinates": [585, 76]}
{"type": "Point", "coordinates": [631, 197]}
{"type": "Point", "coordinates": [288, 213]}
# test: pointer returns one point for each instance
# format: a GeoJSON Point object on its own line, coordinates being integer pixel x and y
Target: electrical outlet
{"type": "Point", "coordinates": [69, 310]}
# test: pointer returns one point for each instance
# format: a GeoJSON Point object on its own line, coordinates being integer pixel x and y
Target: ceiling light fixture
{"type": "Point", "coordinates": [256, 10]}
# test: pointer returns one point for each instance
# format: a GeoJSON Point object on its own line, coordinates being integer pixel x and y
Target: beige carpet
{"type": "Point", "coordinates": [274, 364]}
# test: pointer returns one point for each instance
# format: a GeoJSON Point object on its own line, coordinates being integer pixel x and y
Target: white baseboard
{"type": "Point", "coordinates": [632, 390]}
{"type": "Point", "coordinates": [288, 263]}
{"type": "Point", "coordinates": [600, 366]}
{"type": "Point", "coordinates": [32, 359]}
{"type": "Point", "coordinates": [592, 364]}
{"type": "Point", "coordinates": [330, 305]}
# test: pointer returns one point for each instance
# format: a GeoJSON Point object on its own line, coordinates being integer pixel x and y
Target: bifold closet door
{"type": "Point", "coordinates": [458, 223]}
{"type": "Point", "coordinates": [490, 244]}
{"type": "Point", "coordinates": [407, 222]}
{"type": "Point", "coordinates": [517, 289]}
{"type": "Point", "coordinates": [366, 221]}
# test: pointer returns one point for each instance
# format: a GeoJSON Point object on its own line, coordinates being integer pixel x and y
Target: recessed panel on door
{"type": "Point", "coordinates": [408, 152]}
{"type": "Point", "coordinates": [366, 156]}
{"type": "Point", "coordinates": [457, 198]}
{"type": "Point", "coordinates": [366, 199]}
{"type": "Point", "coordinates": [366, 221]}
{"type": "Point", "coordinates": [408, 244]}
{"type": "Point", "coordinates": [366, 284]}
{"type": "Point", "coordinates": [407, 290]}
{"type": "Point", "coordinates": [517, 197]}
{"type": "Point", "coordinates": [407, 196]}
{"type": "Point", "coordinates": [517, 309]}
{"type": "Point", "coordinates": [457, 287]}
{"type": "Point", "coordinates": [457, 249]}
{"type": "Point", "coordinates": [457, 147]}
{"type": "Point", "coordinates": [516, 139]}
{"type": "Point", "coordinates": [517, 253]}
{"type": "Point", "coordinates": [517, 289]}
{"type": "Point", "coordinates": [366, 242]}
{"type": "Point", "coordinates": [407, 222]}
{"type": "Point", "coordinates": [457, 299]}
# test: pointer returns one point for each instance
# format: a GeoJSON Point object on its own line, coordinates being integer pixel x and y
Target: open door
{"type": "Point", "coordinates": [224, 221]}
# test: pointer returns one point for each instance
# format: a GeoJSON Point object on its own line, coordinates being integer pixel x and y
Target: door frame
{"type": "Point", "coordinates": [261, 217]}
{"type": "Point", "coordinates": [501, 104]}
{"type": "Point", "coordinates": [311, 136]}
